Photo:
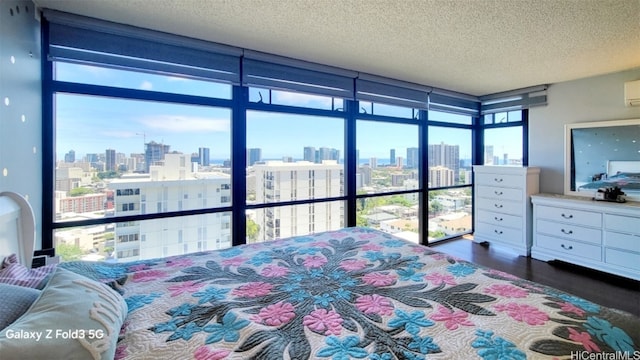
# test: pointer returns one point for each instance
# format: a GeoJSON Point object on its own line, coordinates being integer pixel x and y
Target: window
{"type": "Point", "coordinates": [300, 157]}
{"type": "Point", "coordinates": [204, 147]}
{"type": "Point", "coordinates": [388, 162]}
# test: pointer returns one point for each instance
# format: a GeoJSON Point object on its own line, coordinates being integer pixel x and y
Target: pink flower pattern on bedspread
{"type": "Point", "coordinates": [352, 294]}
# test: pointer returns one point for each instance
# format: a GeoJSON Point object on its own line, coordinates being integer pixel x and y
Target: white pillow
{"type": "Point", "coordinates": [74, 318]}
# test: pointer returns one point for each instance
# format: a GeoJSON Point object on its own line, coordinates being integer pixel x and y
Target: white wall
{"type": "Point", "coordinates": [21, 104]}
{"type": "Point", "coordinates": [597, 98]}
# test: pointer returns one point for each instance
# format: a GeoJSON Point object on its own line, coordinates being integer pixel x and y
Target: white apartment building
{"type": "Point", "coordinates": [277, 181]}
{"type": "Point", "coordinates": [172, 186]}
{"type": "Point", "coordinates": [440, 176]}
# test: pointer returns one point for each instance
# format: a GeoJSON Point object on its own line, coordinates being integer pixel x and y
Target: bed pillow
{"type": "Point", "coordinates": [15, 301]}
{"type": "Point", "coordinates": [14, 273]}
{"type": "Point", "coordinates": [74, 318]}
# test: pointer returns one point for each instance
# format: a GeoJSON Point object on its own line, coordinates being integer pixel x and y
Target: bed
{"type": "Point", "coordinates": [356, 293]}
{"type": "Point", "coordinates": [623, 174]}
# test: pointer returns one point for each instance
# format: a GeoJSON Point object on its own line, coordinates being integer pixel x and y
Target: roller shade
{"type": "Point", "coordinates": [86, 40]}
{"type": "Point", "coordinates": [452, 102]}
{"type": "Point", "coordinates": [275, 72]}
{"type": "Point", "coordinates": [514, 100]}
{"type": "Point", "coordinates": [389, 91]}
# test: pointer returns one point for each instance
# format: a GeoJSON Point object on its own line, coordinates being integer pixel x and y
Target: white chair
{"type": "Point", "coordinates": [17, 227]}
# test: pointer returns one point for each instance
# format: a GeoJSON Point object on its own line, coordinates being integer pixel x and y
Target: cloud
{"type": "Point", "coordinates": [186, 124]}
{"type": "Point", "coordinates": [120, 134]}
{"type": "Point", "coordinates": [146, 85]}
{"type": "Point", "coordinates": [292, 98]}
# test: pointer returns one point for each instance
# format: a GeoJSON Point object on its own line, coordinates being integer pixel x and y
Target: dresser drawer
{"type": "Point", "coordinates": [501, 180]}
{"type": "Point", "coordinates": [568, 247]}
{"type": "Point", "coordinates": [499, 233]}
{"type": "Point", "coordinates": [622, 241]}
{"type": "Point", "coordinates": [498, 205]}
{"type": "Point", "coordinates": [500, 219]}
{"type": "Point", "coordinates": [569, 231]}
{"type": "Point", "coordinates": [495, 192]}
{"type": "Point", "coordinates": [570, 216]}
{"type": "Point", "coordinates": [625, 224]}
{"type": "Point", "coordinates": [622, 258]}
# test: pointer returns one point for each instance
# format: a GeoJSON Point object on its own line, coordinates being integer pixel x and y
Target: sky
{"type": "Point", "coordinates": [91, 124]}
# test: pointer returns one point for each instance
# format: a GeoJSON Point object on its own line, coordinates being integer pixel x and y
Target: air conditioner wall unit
{"type": "Point", "coordinates": [632, 93]}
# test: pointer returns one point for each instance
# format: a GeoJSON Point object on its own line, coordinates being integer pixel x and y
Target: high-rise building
{"type": "Point", "coordinates": [373, 162]}
{"type": "Point", "coordinates": [171, 185]}
{"type": "Point", "coordinates": [70, 157]}
{"type": "Point", "coordinates": [254, 155]}
{"type": "Point", "coordinates": [203, 156]}
{"type": "Point", "coordinates": [392, 157]}
{"type": "Point", "coordinates": [277, 181]}
{"type": "Point", "coordinates": [399, 162]}
{"type": "Point", "coordinates": [413, 157]}
{"type": "Point", "coordinates": [445, 155]}
{"type": "Point", "coordinates": [309, 154]}
{"type": "Point", "coordinates": [488, 154]}
{"type": "Point", "coordinates": [440, 176]}
{"type": "Point", "coordinates": [110, 156]}
{"type": "Point", "coordinates": [153, 153]}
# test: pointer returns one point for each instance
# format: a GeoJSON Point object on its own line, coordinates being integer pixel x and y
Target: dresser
{"type": "Point", "coordinates": [502, 207]}
{"type": "Point", "coordinates": [595, 234]}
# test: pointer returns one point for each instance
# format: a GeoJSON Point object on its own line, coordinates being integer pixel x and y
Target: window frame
{"type": "Point", "coordinates": [240, 104]}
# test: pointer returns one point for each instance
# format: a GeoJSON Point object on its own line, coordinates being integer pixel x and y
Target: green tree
{"type": "Point", "coordinates": [108, 175]}
{"type": "Point", "coordinates": [80, 191]}
{"type": "Point", "coordinates": [252, 230]}
{"type": "Point", "coordinates": [68, 252]}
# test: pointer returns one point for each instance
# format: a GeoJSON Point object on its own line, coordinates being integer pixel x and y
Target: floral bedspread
{"type": "Point", "coordinates": [353, 294]}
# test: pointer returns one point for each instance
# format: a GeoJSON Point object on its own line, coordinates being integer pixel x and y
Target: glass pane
{"type": "Point", "coordinates": [450, 118]}
{"type": "Point", "coordinates": [449, 156]}
{"type": "Point", "coordinates": [146, 239]}
{"type": "Point", "coordinates": [284, 221]}
{"type": "Point", "coordinates": [293, 157]}
{"type": "Point", "coordinates": [515, 116]}
{"type": "Point", "coordinates": [387, 157]}
{"type": "Point", "coordinates": [98, 75]}
{"type": "Point", "coordinates": [124, 157]}
{"type": "Point", "coordinates": [503, 146]}
{"type": "Point", "coordinates": [367, 107]}
{"type": "Point", "coordinates": [393, 214]}
{"type": "Point", "coordinates": [292, 98]}
{"type": "Point", "coordinates": [450, 213]}
{"type": "Point", "coordinates": [499, 118]}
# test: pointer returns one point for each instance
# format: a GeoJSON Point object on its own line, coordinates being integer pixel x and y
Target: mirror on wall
{"type": "Point", "coordinates": [603, 154]}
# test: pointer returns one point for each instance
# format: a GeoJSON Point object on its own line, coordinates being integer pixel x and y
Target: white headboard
{"type": "Point", "coordinates": [17, 227]}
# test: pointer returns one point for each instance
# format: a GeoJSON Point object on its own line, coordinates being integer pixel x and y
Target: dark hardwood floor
{"type": "Point", "coordinates": [601, 288]}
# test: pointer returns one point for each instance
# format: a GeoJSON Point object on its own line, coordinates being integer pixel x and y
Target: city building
{"type": "Point", "coordinates": [277, 181]}
{"type": "Point", "coordinates": [203, 156]}
{"type": "Point", "coordinates": [413, 157]}
{"type": "Point", "coordinates": [110, 157]}
{"type": "Point", "coordinates": [440, 176]}
{"type": "Point", "coordinates": [153, 153]}
{"type": "Point", "coordinates": [172, 185]}
{"type": "Point", "coordinates": [254, 155]}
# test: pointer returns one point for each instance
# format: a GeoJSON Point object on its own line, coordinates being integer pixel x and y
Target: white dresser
{"type": "Point", "coordinates": [502, 207]}
{"type": "Point", "coordinates": [596, 234]}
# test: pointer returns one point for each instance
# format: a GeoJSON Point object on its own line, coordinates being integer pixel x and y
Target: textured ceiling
{"type": "Point", "coordinates": [477, 47]}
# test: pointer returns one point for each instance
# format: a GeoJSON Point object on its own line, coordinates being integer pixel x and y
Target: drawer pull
{"type": "Point", "coordinates": [499, 232]}
{"type": "Point", "coordinates": [568, 232]}
{"type": "Point", "coordinates": [498, 192]}
{"type": "Point", "coordinates": [498, 180]}
{"type": "Point", "coordinates": [567, 216]}
{"type": "Point", "coordinates": [497, 218]}
{"type": "Point", "coordinates": [499, 206]}
{"type": "Point", "coordinates": [566, 247]}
